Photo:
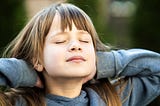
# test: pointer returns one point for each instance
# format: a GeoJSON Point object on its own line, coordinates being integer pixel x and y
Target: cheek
{"type": "Point", "coordinates": [91, 52]}
{"type": "Point", "coordinates": [51, 57]}
{"type": "Point", "coordinates": [91, 56]}
{"type": "Point", "coordinates": [51, 52]}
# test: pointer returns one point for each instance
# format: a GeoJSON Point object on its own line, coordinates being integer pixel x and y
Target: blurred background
{"type": "Point", "coordinates": [121, 23]}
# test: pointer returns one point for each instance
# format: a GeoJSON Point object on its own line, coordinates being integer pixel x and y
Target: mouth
{"type": "Point", "coordinates": [76, 59]}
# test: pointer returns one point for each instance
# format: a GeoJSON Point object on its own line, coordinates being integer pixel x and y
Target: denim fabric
{"type": "Point", "coordinates": [140, 67]}
{"type": "Point", "coordinates": [16, 72]}
{"type": "Point", "coordinates": [54, 100]}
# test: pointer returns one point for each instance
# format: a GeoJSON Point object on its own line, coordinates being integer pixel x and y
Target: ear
{"type": "Point", "coordinates": [38, 67]}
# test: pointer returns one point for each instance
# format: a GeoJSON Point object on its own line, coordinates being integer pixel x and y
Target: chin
{"type": "Point", "coordinates": [78, 75]}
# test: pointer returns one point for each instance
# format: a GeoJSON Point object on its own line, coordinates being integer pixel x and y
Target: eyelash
{"type": "Point", "coordinates": [59, 42]}
{"type": "Point", "coordinates": [85, 41]}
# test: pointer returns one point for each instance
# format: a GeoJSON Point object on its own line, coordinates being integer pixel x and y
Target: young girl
{"type": "Point", "coordinates": [58, 60]}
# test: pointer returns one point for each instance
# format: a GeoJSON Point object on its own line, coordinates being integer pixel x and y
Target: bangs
{"type": "Point", "coordinates": [70, 14]}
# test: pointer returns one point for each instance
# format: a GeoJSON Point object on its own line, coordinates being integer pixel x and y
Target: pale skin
{"type": "Point", "coordinates": [68, 60]}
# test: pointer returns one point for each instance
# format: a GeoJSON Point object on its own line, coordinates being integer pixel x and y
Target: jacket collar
{"type": "Point", "coordinates": [94, 98]}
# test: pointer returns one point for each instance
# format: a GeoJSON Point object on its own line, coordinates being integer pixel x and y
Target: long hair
{"type": "Point", "coordinates": [28, 45]}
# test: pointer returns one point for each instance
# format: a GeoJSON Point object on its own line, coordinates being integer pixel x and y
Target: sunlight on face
{"type": "Point", "coordinates": [68, 53]}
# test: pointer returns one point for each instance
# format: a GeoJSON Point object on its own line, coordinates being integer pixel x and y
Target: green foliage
{"type": "Point", "coordinates": [146, 25]}
{"type": "Point", "coordinates": [12, 19]}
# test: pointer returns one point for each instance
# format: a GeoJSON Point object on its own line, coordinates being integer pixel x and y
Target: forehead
{"type": "Point", "coordinates": [67, 14]}
{"type": "Point", "coordinates": [57, 28]}
{"type": "Point", "coordinates": [56, 23]}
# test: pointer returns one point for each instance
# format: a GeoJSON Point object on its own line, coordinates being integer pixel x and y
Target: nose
{"type": "Point", "coordinates": [74, 46]}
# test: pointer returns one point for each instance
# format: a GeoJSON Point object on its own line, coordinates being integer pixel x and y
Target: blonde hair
{"type": "Point", "coordinates": [28, 45]}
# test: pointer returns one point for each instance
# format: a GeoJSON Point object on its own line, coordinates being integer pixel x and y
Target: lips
{"type": "Point", "coordinates": [75, 59]}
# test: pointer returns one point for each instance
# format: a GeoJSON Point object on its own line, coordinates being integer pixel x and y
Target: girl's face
{"type": "Point", "coordinates": [68, 53]}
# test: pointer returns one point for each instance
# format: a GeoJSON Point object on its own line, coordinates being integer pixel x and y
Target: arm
{"type": "Point", "coordinates": [120, 63]}
{"type": "Point", "coordinates": [16, 72]}
{"type": "Point", "coordinates": [141, 67]}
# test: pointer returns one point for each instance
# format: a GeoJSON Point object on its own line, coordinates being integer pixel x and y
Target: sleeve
{"type": "Point", "coordinates": [120, 63]}
{"type": "Point", "coordinates": [16, 72]}
{"type": "Point", "coordinates": [141, 67]}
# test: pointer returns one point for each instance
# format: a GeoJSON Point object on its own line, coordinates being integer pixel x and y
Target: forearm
{"type": "Point", "coordinates": [16, 72]}
{"type": "Point", "coordinates": [127, 63]}
{"type": "Point", "coordinates": [142, 69]}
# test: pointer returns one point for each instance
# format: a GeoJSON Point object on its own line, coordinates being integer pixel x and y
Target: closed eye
{"type": "Point", "coordinates": [85, 41]}
{"type": "Point", "coordinates": [60, 42]}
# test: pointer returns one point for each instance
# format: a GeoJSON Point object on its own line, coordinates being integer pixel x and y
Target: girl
{"type": "Point", "coordinates": [52, 62]}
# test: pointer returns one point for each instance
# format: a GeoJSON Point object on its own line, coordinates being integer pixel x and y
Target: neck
{"type": "Point", "coordinates": [67, 87]}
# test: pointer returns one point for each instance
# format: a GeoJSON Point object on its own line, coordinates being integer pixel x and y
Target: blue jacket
{"type": "Point", "coordinates": [141, 67]}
